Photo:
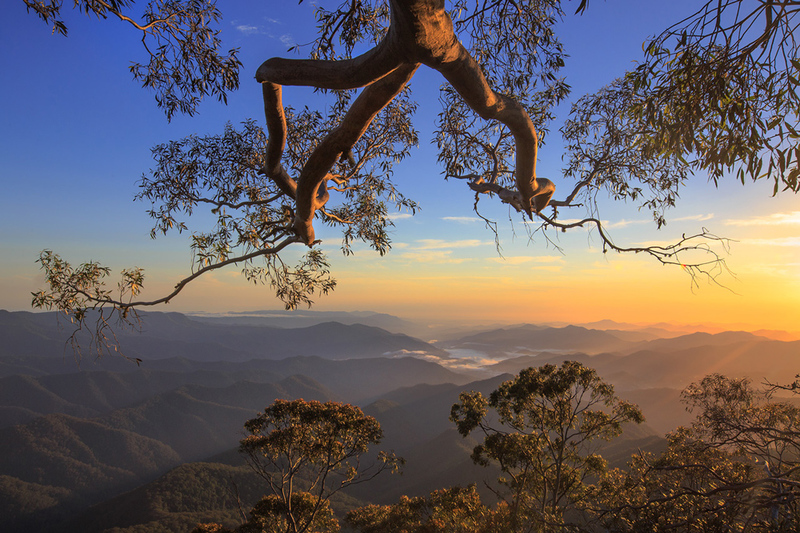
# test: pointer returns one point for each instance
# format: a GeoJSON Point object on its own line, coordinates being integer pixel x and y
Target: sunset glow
{"type": "Point", "coordinates": [71, 159]}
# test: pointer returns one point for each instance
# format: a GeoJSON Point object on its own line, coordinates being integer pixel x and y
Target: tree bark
{"type": "Point", "coordinates": [420, 32]}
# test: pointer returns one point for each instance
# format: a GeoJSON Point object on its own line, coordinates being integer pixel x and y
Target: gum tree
{"type": "Point", "coordinates": [714, 93]}
{"type": "Point", "coordinates": [543, 433]}
{"type": "Point", "coordinates": [734, 469]}
{"type": "Point", "coordinates": [307, 452]}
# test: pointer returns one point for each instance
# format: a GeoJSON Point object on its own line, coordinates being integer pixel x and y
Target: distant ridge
{"type": "Point", "coordinates": [305, 317]}
{"type": "Point", "coordinates": [528, 338]}
{"type": "Point", "coordinates": [165, 335]}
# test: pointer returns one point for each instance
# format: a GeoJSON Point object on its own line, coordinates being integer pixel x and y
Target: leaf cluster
{"type": "Point", "coordinates": [452, 510]}
{"type": "Point", "coordinates": [307, 452]}
{"type": "Point", "coordinates": [720, 90]}
{"type": "Point", "coordinates": [608, 148]}
{"type": "Point", "coordinates": [80, 293]}
{"type": "Point", "coordinates": [520, 54]}
{"type": "Point", "coordinates": [181, 40]}
{"type": "Point", "coordinates": [735, 469]}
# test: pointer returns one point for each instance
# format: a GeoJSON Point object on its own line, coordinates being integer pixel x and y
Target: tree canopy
{"type": "Point", "coordinates": [734, 469]}
{"type": "Point", "coordinates": [549, 420]}
{"type": "Point", "coordinates": [307, 452]}
{"type": "Point", "coordinates": [714, 94]}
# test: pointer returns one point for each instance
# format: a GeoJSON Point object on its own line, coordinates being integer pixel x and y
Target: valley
{"type": "Point", "coordinates": [105, 444]}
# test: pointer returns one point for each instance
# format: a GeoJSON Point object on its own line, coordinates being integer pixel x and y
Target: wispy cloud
{"type": "Point", "coordinates": [400, 216]}
{"type": "Point", "coordinates": [522, 259]}
{"type": "Point", "coordinates": [624, 223]}
{"type": "Point", "coordinates": [440, 244]}
{"type": "Point", "coordinates": [788, 270]}
{"type": "Point", "coordinates": [462, 220]}
{"type": "Point", "coordinates": [775, 219]}
{"type": "Point", "coordinates": [287, 40]}
{"type": "Point", "coordinates": [247, 29]}
{"type": "Point", "coordinates": [432, 256]}
{"type": "Point", "coordinates": [695, 218]}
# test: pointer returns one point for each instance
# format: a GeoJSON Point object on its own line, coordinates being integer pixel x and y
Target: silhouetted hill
{"type": "Point", "coordinates": [93, 393]}
{"type": "Point", "coordinates": [183, 497]}
{"type": "Point", "coordinates": [526, 339]}
{"type": "Point", "coordinates": [89, 394]}
{"type": "Point", "coordinates": [662, 407]}
{"type": "Point", "coordinates": [79, 461]}
{"type": "Point", "coordinates": [60, 464]}
{"type": "Point", "coordinates": [166, 335]}
{"type": "Point", "coordinates": [303, 318]}
{"type": "Point", "coordinates": [698, 339]}
{"type": "Point", "coordinates": [198, 421]}
{"type": "Point", "coordinates": [440, 462]}
{"type": "Point", "coordinates": [412, 416]}
{"type": "Point", "coordinates": [177, 501]}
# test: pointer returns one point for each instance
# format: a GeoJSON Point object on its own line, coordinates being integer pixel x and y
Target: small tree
{"type": "Point", "coordinates": [687, 488]}
{"type": "Point", "coordinates": [307, 452]}
{"type": "Point", "coordinates": [549, 420]}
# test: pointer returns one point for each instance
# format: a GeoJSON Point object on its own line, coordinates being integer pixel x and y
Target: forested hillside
{"type": "Point", "coordinates": [157, 441]}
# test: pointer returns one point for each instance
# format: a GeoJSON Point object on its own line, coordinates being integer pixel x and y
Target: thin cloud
{"type": "Point", "coordinates": [694, 218]}
{"type": "Point", "coordinates": [522, 259]}
{"type": "Point", "coordinates": [625, 223]}
{"type": "Point", "coordinates": [439, 244]}
{"type": "Point", "coordinates": [432, 256]}
{"type": "Point", "coordinates": [462, 220]}
{"type": "Point", "coordinates": [775, 219]}
{"type": "Point", "coordinates": [400, 216]}
{"type": "Point", "coordinates": [787, 270]}
{"type": "Point", "coordinates": [247, 29]}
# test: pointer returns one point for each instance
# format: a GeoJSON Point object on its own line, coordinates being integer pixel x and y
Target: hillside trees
{"type": "Point", "coordinates": [452, 510]}
{"type": "Point", "coordinates": [543, 434]}
{"type": "Point", "coordinates": [735, 469]}
{"type": "Point", "coordinates": [715, 93]}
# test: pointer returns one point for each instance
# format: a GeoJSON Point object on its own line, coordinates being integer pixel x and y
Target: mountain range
{"type": "Point", "coordinates": [77, 434]}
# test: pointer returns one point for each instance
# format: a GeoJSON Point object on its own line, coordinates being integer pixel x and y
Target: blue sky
{"type": "Point", "coordinates": [77, 133]}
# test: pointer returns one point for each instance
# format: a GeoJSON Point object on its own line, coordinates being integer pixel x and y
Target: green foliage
{"type": "Point", "coordinates": [311, 448]}
{"type": "Point", "coordinates": [687, 488]}
{"type": "Point", "coordinates": [549, 421]}
{"type": "Point", "coordinates": [453, 510]}
{"type": "Point", "coordinates": [520, 54]}
{"type": "Point", "coordinates": [720, 90]}
{"type": "Point", "coordinates": [77, 291]}
{"type": "Point", "coordinates": [270, 516]}
{"type": "Point", "coordinates": [604, 146]}
{"type": "Point", "coordinates": [181, 40]}
{"type": "Point", "coordinates": [735, 469]}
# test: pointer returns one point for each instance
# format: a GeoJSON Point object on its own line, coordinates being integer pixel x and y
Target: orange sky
{"type": "Point", "coordinates": [465, 279]}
